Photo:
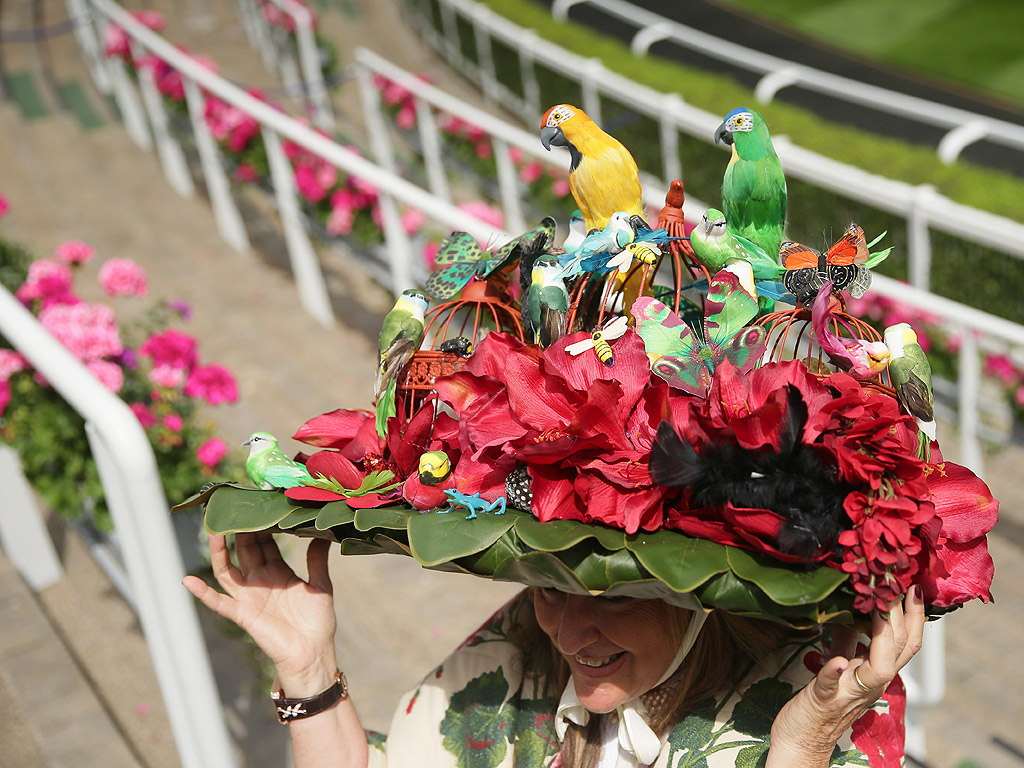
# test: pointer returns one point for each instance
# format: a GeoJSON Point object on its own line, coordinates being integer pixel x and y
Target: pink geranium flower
{"type": "Point", "coordinates": [110, 374]}
{"type": "Point", "coordinates": [48, 281]}
{"type": "Point", "coordinates": [560, 187]}
{"type": "Point", "coordinates": [123, 277]}
{"type": "Point", "coordinates": [88, 330]}
{"type": "Point", "coordinates": [484, 212]}
{"type": "Point", "coordinates": [5, 396]}
{"type": "Point", "coordinates": [167, 376]}
{"type": "Point", "coordinates": [10, 363]}
{"type": "Point", "coordinates": [212, 452]}
{"type": "Point", "coordinates": [143, 414]}
{"type": "Point", "coordinates": [173, 422]}
{"type": "Point", "coordinates": [170, 348]}
{"type": "Point", "coordinates": [4, 206]}
{"type": "Point", "coordinates": [214, 383]}
{"type": "Point", "coordinates": [75, 252]}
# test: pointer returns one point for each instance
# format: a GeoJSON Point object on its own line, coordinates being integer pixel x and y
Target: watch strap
{"type": "Point", "coordinates": [289, 710]}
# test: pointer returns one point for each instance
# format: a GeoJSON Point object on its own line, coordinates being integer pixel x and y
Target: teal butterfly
{"type": "Point", "coordinates": [684, 359]}
{"type": "Point", "coordinates": [461, 258]}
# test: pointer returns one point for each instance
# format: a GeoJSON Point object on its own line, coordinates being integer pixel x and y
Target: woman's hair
{"type": "Point", "coordinates": [726, 649]}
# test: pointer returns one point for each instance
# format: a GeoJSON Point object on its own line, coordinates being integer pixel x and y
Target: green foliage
{"type": "Point", "coordinates": [979, 39]}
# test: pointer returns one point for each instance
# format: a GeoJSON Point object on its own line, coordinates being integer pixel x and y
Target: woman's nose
{"type": "Point", "coordinates": [577, 627]}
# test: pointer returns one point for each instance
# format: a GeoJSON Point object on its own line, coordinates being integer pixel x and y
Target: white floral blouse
{"type": "Point", "coordinates": [479, 710]}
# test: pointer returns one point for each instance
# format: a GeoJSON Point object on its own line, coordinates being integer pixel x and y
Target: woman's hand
{"type": "Point", "coordinates": [292, 620]}
{"type": "Point", "coordinates": [807, 729]}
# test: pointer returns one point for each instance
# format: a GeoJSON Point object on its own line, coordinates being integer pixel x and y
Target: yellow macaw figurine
{"type": "Point", "coordinates": [603, 175]}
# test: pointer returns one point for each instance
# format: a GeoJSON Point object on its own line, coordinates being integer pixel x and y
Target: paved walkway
{"type": "Point", "coordinates": [64, 182]}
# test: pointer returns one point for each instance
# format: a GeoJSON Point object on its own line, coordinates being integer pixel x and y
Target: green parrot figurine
{"type": "Point", "coordinates": [911, 377]}
{"type": "Point", "coordinates": [754, 187]}
{"type": "Point", "coordinates": [546, 305]}
{"type": "Point", "coordinates": [714, 244]}
{"type": "Point", "coordinates": [269, 468]}
{"type": "Point", "coordinates": [400, 337]}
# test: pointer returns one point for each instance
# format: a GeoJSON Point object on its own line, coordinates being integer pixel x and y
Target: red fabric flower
{"type": "Point", "coordinates": [583, 429]}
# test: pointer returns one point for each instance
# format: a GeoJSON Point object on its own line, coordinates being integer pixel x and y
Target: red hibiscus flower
{"type": "Point", "coordinates": [584, 430]}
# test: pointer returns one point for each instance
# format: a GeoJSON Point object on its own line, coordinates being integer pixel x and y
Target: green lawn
{"type": "Point", "coordinates": [975, 43]}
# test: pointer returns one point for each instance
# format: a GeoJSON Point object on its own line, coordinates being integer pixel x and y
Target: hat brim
{"type": "Point", "coordinates": [566, 555]}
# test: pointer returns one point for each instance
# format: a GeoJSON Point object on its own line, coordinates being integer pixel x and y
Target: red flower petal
{"type": "Point", "coordinates": [305, 493]}
{"type": "Point", "coordinates": [331, 464]}
{"type": "Point", "coordinates": [352, 432]}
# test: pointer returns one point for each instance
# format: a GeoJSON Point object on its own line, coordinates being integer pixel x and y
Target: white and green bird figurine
{"type": "Point", "coordinates": [269, 468]}
{"type": "Point", "coordinates": [714, 244]}
{"type": "Point", "coordinates": [546, 304]}
{"type": "Point", "coordinates": [400, 337]}
{"type": "Point", "coordinates": [911, 377]}
{"type": "Point", "coordinates": [577, 231]}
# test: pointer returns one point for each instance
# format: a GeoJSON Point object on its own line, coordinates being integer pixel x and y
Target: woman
{"type": "Point", "coordinates": [615, 650]}
{"type": "Point", "coordinates": [686, 523]}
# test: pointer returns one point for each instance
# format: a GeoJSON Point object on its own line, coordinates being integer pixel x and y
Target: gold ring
{"type": "Point", "coordinates": [859, 682]}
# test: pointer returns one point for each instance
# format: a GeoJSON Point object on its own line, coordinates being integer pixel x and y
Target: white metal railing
{"type": "Point", "coordinates": [963, 126]}
{"type": "Point", "coordinates": [922, 206]}
{"type": "Point", "coordinates": [303, 78]}
{"type": "Point", "coordinates": [275, 126]}
{"type": "Point", "coordinates": [135, 497]}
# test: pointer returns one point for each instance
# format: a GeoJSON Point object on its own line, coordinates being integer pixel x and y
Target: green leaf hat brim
{"type": "Point", "coordinates": [567, 555]}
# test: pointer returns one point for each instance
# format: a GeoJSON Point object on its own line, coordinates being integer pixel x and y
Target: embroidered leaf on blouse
{"type": "Point", "coordinates": [476, 728]}
{"type": "Point", "coordinates": [535, 732]}
{"type": "Point", "coordinates": [691, 735]}
{"type": "Point", "coordinates": [761, 702]}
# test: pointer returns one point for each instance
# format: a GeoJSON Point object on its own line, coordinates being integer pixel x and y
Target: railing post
{"type": "Point", "coordinates": [451, 33]}
{"type": "Point", "coordinates": [128, 104]}
{"type": "Point", "coordinates": [309, 278]}
{"type": "Point", "coordinates": [229, 219]}
{"type": "Point", "coordinates": [86, 33]}
{"type": "Point", "coordinates": [508, 184]}
{"type": "Point", "coordinates": [925, 680]}
{"type": "Point", "coordinates": [312, 74]}
{"type": "Point", "coordinates": [168, 148]}
{"type": "Point", "coordinates": [485, 57]}
{"type": "Point", "coordinates": [919, 249]}
{"type": "Point", "coordinates": [670, 138]}
{"type": "Point", "coordinates": [593, 71]}
{"type": "Point", "coordinates": [528, 72]}
{"type": "Point", "coordinates": [969, 385]}
{"type": "Point", "coordinates": [23, 534]}
{"type": "Point", "coordinates": [247, 10]}
{"type": "Point", "coordinates": [376, 125]}
{"type": "Point", "coordinates": [430, 141]}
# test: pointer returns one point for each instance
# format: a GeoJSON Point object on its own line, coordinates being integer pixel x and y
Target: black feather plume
{"type": "Point", "coordinates": [800, 482]}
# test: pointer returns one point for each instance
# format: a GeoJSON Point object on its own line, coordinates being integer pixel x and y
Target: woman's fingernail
{"type": "Point", "coordinates": [916, 591]}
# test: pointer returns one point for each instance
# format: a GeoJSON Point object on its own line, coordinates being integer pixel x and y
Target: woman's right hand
{"type": "Point", "coordinates": [292, 620]}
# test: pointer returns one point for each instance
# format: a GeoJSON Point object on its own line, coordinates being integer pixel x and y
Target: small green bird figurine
{"type": "Point", "coordinates": [269, 468]}
{"type": "Point", "coordinates": [754, 186]}
{"type": "Point", "coordinates": [546, 304]}
{"type": "Point", "coordinates": [911, 376]}
{"type": "Point", "coordinates": [714, 243]}
{"type": "Point", "coordinates": [400, 337]}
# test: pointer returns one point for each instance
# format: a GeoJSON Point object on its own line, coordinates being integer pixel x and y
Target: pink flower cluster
{"type": "Point", "coordinates": [212, 452]}
{"type": "Point", "coordinates": [75, 252]}
{"type": "Point", "coordinates": [175, 361]}
{"type": "Point", "coordinates": [116, 42]}
{"type": "Point", "coordinates": [400, 99]}
{"type": "Point", "coordinates": [168, 79]}
{"type": "Point", "coordinates": [88, 330]}
{"type": "Point", "coordinates": [123, 277]}
{"type": "Point", "coordinates": [278, 18]}
{"type": "Point", "coordinates": [314, 176]}
{"type": "Point", "coordinates": [231, 126]}
{"type": "Point", "coordinates": [4, 206]}
{"type": "Point", "coordinates": [48, 282]}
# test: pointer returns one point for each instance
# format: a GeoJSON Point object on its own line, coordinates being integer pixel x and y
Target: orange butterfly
{"type": "Point", "coordinates": [807, 270]}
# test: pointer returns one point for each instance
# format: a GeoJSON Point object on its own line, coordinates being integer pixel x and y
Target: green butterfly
{"type": "Point", "coordinates": [687, 361]}
{"type": "Point", "coordinates": [461, 258]}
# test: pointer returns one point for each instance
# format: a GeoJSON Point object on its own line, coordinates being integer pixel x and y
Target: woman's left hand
{"type": "Point", "coordinates": [807, 729]}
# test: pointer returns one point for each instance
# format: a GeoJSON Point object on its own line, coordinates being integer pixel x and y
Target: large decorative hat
{"type": "Point", "coordinates": [624, 421]}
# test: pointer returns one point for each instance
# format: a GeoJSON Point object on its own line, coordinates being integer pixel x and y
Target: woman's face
{"type": "Point", "coordinates": [617, 648]}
